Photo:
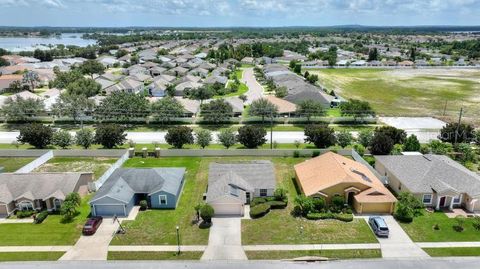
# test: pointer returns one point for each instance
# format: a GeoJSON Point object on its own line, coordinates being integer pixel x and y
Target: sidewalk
{"type": "Point", "coordinates": [156, 248]}
{"type": "Point", "coordinates": [35, 249]}
{"type": "Point", "coordinates": [447, 244]}
{"type": "Point", "coordinates": [310, 247]}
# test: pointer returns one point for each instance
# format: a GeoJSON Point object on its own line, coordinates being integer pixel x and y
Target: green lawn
{"type": "Point", "coordinates": [157, 227]}
{"type": "Point", "coordinates": [279, 227]}
{"type": "Point", "coordinates": [333, 254]}
{"type": "Point", "coordinates": [152, 255]}
{"type": "Point", "coordinates": [334, 112]}
{"type": "Point", "coordinates": [424, 90]}
{"type": "Point", "coordinates": [30, 256]}
{"type": "Point", "coordinates": [97, 165]}
{"type": "Point", "coordinates": [451, 252]}
{"type": "Point", "coordinates": [52, 232]}
{"type": "Point", "coordinates": [242, 89]}
{"type": "Point", "coordinates": [421, 229]}
{"type": "Point", "coordinates": [12, 164]}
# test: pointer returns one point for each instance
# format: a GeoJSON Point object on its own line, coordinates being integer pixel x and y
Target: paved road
{"type": "Point", "coordinates": [279, 137]}
{"type": "Point", "coordinates": [447, 263]}
{"type": "Point", "coordinates": [225, 240]}
{"type": "Point", "coordinates": [255, 90]}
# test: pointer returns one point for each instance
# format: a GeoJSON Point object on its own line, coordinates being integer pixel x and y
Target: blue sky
{"type": "Point", "coordinates": [226, 13]}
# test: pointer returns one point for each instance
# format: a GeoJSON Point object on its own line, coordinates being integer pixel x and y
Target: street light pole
{"type": "Point", "coordinates": [178, 241]}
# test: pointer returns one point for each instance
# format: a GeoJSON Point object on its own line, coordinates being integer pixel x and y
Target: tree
{"type": "Point", "coordinates": [413, 54]}
{"type": "Point", "coordinates": [62, 139]}
{"type": "Point", "coordinates": [31, 78]}
{"type": "Point", "coordinates": [227, 138]}
{"type": "Point", "coordinates": [3, 62]}
{"type": "Point", "coordinates": [438, 147]}
{"type": "Point", "coordinates": [464, 133]}
{"type": "Point", "coordinates": [84, 138]}
{"type": "Point", "coordinates": [123, 106]}
{"type": "Point", "coordinates": [263, 108]}
{"type": "Point", "coordinates": [16, 87]}
{"type": "Point", "coordinates": [408, 207]}
{"type": "Point", "coordinates": [297, 69]}
{"type": "Point", "coordinates": [84, 86]}
{"type": "Point", "coordinates": [72, 105]}
{"type": "Point", "coordinates": [170, 90]}
{"type": "Point", "coordinates": [281, 92]}
{"type": "Point", "coordinates": [397, 135]}
{"type": "Point", "coordinates": [373, 55]}
{"type": "Point", "coordinates": [466, 153]}
{"type": "Point", "coordinates": [365, 137]}
{"type": "Point", "coordinates": [356, 109]}
{"type": "Point", "coordinates": [411, 144]}
{"type": "Point", "coordinates": [344, 138]}
{"type": "Point", "coordinates": [166, 109]}
{"type": "Point", "coordinates": [381, 144]}
{"type": "Point", "coordinates": [20, 109]}
{"type": "Point", "coordinates": [310, 108]}
{"type": "Point", "coordinates": [320, 135]}
{"type": "Point", "coordinates": [305, 204]}
{"type": "Point", "coordinates": [179, 136]}
{"type": "Point", "coordinates": [74, 197]}
{"type": "Point", "coordinates": [332, 56]}
{"type": "Point", "coordinates": [68, 210]}
{"type": "Point", "coordinates": [203, 137]}
{"type": "Point", "coordinates": [251, 136]}
{"type": "Point", "coordinates": [206, 213]}
{"type": "Point", "coordinates": [35, 134]}
{"type": "Point", "coordinates": [110, 135]}
{"type": "Point", "coordinates": [292, 64]}
{"type": "Point", "coordinates": [202, 93]}
{"type": "Point", "coordinates": [91, 67]}
{"type": "Point", "coordinates": [63, 79]}
{"type": "Point", "coordinates": [312, 78]}
{"type": "Point", "coordinates": [216, 111]}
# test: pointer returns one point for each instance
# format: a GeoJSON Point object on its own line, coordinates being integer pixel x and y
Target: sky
{"type": "Point", "coordinates": [228, 13]}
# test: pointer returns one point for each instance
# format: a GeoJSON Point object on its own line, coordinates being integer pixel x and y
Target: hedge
{"type": "Point", "coordinates": [277, 204]}
{"type": "Point", "coordinates": [259, 210]}
{"type": "Point", "coordinates": [24, 214]}
{"type": "Point", "coordinates": [257, 201]}
{"type": "Point", "coordinates": [323, 216]}
{"type": "Point", "coordinates": [40, 217]}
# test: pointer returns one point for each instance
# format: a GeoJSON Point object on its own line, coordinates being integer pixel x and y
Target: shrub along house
{"type": "Point", "coordinates": [39, 191]}
{"type": "Point", "coordinates": [232, 185]}
{"type": "Point", "coordinates": [160, 187]}
{"type": "Point", "coordinates": [331, 175]}
{"type": "Point", "coordinates": [437, 180]}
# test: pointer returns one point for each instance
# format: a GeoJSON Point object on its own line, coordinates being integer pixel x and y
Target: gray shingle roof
{"type": "Point", "coordinates": [124, 183]}
{"type": "Point", "coordinates": [424, 173]}
{"type": "Point", "coordinates": [36, 185]}
{"type": "Point", "coordinates": [242, 175]}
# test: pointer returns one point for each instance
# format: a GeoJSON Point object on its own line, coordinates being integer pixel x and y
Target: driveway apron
{"type": "Point", "coordinates": [225, 240]}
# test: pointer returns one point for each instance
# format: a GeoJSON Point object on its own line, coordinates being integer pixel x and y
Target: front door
{"type": "Point", "coordinates": [442, 201]}
{"type": "Point", "coordinates": [247, 196]}
{"type": "Point", "coordinates": [350, 198]}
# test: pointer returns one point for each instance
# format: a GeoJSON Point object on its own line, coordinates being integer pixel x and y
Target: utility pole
{"type": "Point", "coordinates": [271, 130]}
{"type": "Point", "coordinates": [458, 125]}
{"type": "Point", "coordinates": [445, 108]}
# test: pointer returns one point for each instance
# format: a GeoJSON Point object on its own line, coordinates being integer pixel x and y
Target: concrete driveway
{"type": "Point", "coordinates": [398, 244]}
{"type": "Point", "coordinates": [225, 240]}
{"type": "Point", "coordinates": [255, 90]}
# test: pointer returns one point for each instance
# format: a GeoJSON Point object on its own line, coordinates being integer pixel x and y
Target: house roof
{"type": "Point", "coordinates": [330, 169]}
{"type": "Point", "coordinates": [37, 185]}
{"type": "Point", "coordinates": [284, 106]}
{"type": "Point", "coordinates": [246, 176]}
{"type": "Point", "coordinates": [427, 173]}
{"type": "Point", "coordinates": [124, 183]}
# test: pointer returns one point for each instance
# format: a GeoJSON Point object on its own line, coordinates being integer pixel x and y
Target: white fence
{"type": "Point", "coordinates": [99, 182]}
{"type": "Point", "coordinates": [36, 163]}
{"type": "Point", "coordinates": [245, 152]}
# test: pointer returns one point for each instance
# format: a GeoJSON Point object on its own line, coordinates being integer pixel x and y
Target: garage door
{"type": "Point", "coordinates": [376, 208]}
{"type": "Point", "coordinates": [109, 210]}
{"type": "Point", "coordinates": [3, 210]}
{"type": "Point", "coordinates": [228, 209]}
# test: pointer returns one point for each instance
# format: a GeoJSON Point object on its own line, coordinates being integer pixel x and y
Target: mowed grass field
{"type": "Point", "coordinates": [409, 92]}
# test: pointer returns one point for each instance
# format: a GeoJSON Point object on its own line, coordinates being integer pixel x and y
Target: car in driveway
{"type": "Point", "coordinates": [92, 225]}
{"type": "Point", "coordinates": [379, 226]}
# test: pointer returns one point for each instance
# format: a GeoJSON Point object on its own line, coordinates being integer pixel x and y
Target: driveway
{"type": "Point", "coordinates": [398, 244]}
{"type": "Point", "coordinates": [255, 90]}
{"type": "Point", "coordinates": [225, 240]}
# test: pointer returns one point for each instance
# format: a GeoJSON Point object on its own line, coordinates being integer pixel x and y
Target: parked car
{"type": "Point", "coordinates": [379, 226]}
{"type": "Point", "coordinates": [92, 225]}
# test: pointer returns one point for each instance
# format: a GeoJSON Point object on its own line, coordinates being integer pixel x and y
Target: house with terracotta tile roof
{"type": "Point", "coordinates": [331, 174]}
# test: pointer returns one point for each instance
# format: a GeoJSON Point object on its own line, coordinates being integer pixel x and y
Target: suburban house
{"type": "Point", "coordinates": [39, 191]}
{"type": "Point", "coordinates": [160, 187]}
{"type": "Point", "coordinates": [437, 180]}
{"type": "Point", "coordinates": [232, 185]}
{"type": "Point", "coordinates": [330, 175]}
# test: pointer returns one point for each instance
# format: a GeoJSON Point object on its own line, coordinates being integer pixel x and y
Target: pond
{"type": "Point", "coordinates": [16, 44]}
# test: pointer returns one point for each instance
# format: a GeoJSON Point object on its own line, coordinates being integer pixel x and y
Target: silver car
{"type": "Point", "coordinates": [379, 226]}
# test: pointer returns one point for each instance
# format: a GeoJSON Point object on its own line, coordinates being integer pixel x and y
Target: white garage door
{"type": "Point", "coordinates": [228, 209]}
{"type": "Point", "coordinates": [109, 210]}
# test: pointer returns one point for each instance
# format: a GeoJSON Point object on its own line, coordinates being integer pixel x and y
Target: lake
{"type": "Point", "coordinates": [16, 44]}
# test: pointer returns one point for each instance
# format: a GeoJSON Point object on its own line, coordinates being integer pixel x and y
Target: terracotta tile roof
{"type": "Point", "coordinates": [330, 169]}
{"type": "Point", "coordinates": [284, 106]}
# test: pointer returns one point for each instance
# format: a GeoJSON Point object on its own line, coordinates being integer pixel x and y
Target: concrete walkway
{"type": "Point", "coordinates": [255, 90]}
{"type": "Point", "coordinates": [15, 221]}
{"type": "Point", "coordinates": [448, 244]}
{"type": "Point", "coordinates": [310, 247]}
{"type": "Point", "coordinates": [35, 249]}
{"type": "Point", "coordinates": [398, 244]}
{"type": "Point", "coordinates": [225, 240]}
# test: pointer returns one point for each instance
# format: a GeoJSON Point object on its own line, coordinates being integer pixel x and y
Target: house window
{"type": "Point", "coordinates": [25, 205]}
{"type": "Point", "coordinates": [399, 186]}
{"type": "Point", "coordinates": [456, 200]}
{"type": "Point", "coordinates": [162, 199]}
{"type": "Point", "coordinates": [427, 198]}
{"type": "Point", "coordinates": [233, 191]}
{"type": "Point", "coordinates": [263, 192]}
{"type": "Point", "coordinates": [58, 204]}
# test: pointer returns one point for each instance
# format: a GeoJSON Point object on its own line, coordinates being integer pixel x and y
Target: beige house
{"type": "Point", "coordinates": [330, 175]}
{"type": "Point", "coordinates": [39, 191]}
{"type": "Point", "coordinates": [438, 181]}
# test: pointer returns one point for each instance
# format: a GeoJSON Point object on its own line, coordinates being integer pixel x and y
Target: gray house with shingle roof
{"type": "Point", "coordinates": [160, 187]}
{"type": "Point", "coordinates": [437, 180]}
{"type": "Point", "coordinates": [39, 191]}
{"type": "Point", "coordinates": [232, 185]}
